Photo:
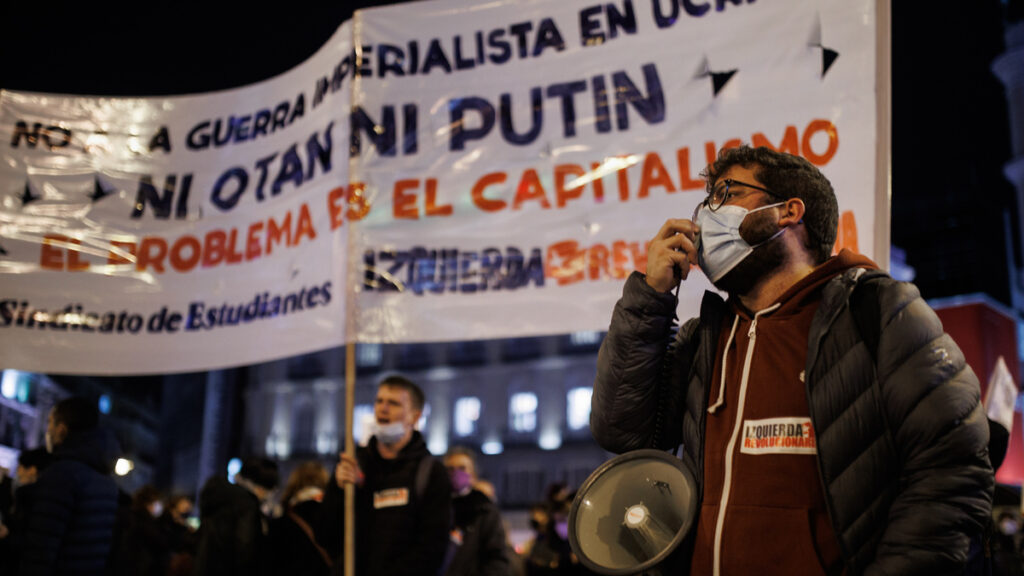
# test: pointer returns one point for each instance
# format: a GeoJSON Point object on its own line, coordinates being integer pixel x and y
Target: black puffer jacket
{"type": "Point", "coordinates": [902, 451]}
{"type": "Point", "coordinates": [72, 524]}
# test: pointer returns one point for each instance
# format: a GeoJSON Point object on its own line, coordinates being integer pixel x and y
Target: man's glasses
{"type": "Point", "coordinates": [724, 191]}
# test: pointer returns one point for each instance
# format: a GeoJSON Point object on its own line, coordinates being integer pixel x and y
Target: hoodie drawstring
{"type": "Point", "coordinates": [721, 387]}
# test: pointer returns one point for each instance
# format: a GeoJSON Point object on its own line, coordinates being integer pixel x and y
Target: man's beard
{"type": "Point", "coordinates": [762, 262]}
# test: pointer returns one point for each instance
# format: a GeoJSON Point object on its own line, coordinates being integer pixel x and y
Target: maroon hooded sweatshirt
{"type": "Point", "coordinates": [760, 462]}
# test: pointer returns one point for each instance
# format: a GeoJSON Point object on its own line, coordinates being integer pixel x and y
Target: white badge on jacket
{"type": "Point", "coordinates": [779, 436]}
{"type": "Point", "coordinates": [391, 498]}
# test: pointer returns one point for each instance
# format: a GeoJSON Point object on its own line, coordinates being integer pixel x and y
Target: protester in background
{"type": "Point", "coordinates": [403, 498]}
{"type": "Point", "coordinates": [539, 518]}
{"type": "Point", "coordinates": [31, 464]}
{"type": "Point", "coordinates": [6, 501]}
{"type": "Point", "coordinates": [181, 537]}
{"type": "Point", "coordinates": [556, 494]}
{"type": "Point", "coordinates": [72, 523]}
{"type": "Point", "coordinates": [1006, 546]}
{"type": "Point", "coordinates": [478, 532]}
{"type": "Point", "coordinates": [551, 553]}
{"type": "Point", "coordinates": [144, 547]}
{"type": "Point", "coordinates": [294, 536]}
{"type": "Point", "coordinates": [233, 532]}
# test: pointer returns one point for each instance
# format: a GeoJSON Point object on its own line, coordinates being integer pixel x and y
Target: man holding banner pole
{"type": "Point", "coordinates": [830, 423]}
{"type": "Point", "coordinates": [402, 493]}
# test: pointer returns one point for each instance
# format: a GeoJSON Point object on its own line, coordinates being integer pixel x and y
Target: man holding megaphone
{"type": "Point", "coordinates": [830, 424]}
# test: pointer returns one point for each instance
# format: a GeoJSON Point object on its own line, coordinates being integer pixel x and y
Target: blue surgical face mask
{"type": "Point", "coordinates": [719, 245]}
{"type": "Point", "coordinates": [390, 433]}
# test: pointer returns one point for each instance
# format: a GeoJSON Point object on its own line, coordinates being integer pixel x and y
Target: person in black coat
{"type": "Point", "coordinates": [296, 536]}
{"type": "Point", "coordinates": [550, 554]}
{"type": "Point", "coordinates": [72, 524]}
{"type": "Point", "coordinates": [180, 535]}
{"type": "Point", "coordinates": [31, 464]}
{"type": "Point", "coordinates": [403, 498]}
{"type": "Point", "coordinates": [478, 532]}
{"type": "Point", "coordinates": [233, 530]}
{"type": "Point", "coordinates": [145, 548]}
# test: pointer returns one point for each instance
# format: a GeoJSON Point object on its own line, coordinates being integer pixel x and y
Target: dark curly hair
{"type": "Point", "coordinates": [791, 177]}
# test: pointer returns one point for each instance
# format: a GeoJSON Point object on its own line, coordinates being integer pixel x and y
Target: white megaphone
{"type": "Point", "coordinates": [632, 513]}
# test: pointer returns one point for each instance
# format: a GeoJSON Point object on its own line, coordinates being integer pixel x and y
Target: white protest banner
{"type": "Point", "coordinates": [506, 164]}
{"type": "Point", "coordinates": [153, 235]}
{"type": "Point", "coordinates": [519, 155]}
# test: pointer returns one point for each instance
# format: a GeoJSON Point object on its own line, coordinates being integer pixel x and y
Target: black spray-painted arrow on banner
{"type": "Point", "coordinates": [828, 55]}
{"type": "Point", "coordinates": [27, 197]}
{"type": "Point", "coordinates": [99, 192]}
{"type": "Point", "coordinates": [718, 79]}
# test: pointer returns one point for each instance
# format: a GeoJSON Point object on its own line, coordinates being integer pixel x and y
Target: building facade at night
{"type": "Point", "coordinates": [523, 404]}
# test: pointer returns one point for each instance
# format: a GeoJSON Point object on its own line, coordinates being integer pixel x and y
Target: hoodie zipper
{"type": "Point", "coordinates": [730, 449]}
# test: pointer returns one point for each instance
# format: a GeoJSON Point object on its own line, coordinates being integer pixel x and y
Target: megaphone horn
{"type": "Point", "coordinates": [632, 513]}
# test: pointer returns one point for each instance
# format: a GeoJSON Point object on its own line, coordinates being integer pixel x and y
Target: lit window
{"type": "Point", "coordinates": [437, 444]}
{"type": "Point", "coordinates": [326, 443]}
{"type": "Point", "coordinates": [523, 411]}
{"type": "Point", "coordinates": [15, 384]}
{"type": "Point", "coordinates": [492, 447]}
{"type": "Point", "coordinates": [585, 338]}
{"type": "Point", "coordinates": [467, 414]}
{"type": "Point", "coordinates": [9, 383]}
{"type": "Point", "coordinates": [421, 424]}
{"type": "Point", "coordinates": [550, 440]}
{"type": "Point", "coordinates": [578, 407]}
{"type": "Point", "coordinates": [363, 419]}
{"type": "Point", "coordinates": [368, 354]}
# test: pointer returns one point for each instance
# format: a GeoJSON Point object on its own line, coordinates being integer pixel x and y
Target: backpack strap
{"type": "Point", "coordinates": [308, 530]}
{"type": "Point", "coordinates": [423, 476]}
{"type": "Point", "coordinates": [420, 488]}
{"type": "Point", "coordinates": [866, 311]}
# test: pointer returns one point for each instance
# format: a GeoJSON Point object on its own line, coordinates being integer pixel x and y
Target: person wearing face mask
{"type": "Point", "coordinates": [821, 441]}
{"type": "Point", "coordinates": [403, 497]}
{"type": "Point", "coordinates": [550, 554]}
{"type": "Point", "coordinates": [71, 530]}
{"type": "Point", "coordinates": [478, 532]}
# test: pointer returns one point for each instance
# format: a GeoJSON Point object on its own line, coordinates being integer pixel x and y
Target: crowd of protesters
{"type": "Point", "coordinates": [65, 515]}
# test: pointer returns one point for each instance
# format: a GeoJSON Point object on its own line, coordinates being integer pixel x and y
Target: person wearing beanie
{"type": "Point", "coordinates": [829, 422]}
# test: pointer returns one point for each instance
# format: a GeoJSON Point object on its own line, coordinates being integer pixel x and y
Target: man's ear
{"type": "Point", "coordinates": [792, 212]}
